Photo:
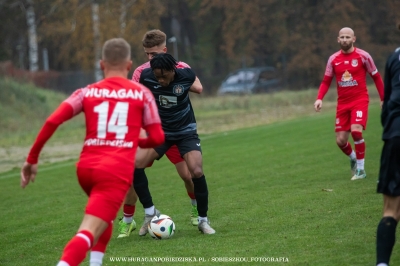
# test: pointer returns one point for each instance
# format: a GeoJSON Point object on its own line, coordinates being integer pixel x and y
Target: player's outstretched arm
{"type": "Point", "coordinates": [155, 136]}
{"type": "Point", "coordinates": [29, 168]}
{"type": "Point", "coordinates": [151, 123]}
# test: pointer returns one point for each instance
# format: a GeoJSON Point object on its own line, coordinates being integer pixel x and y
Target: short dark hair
{"type": "Point", "coordinates": [163, 61]}
{"type": "Point", "coordinates": [154, 38]}
{"type": "Point", "coordinates": [116, 51]}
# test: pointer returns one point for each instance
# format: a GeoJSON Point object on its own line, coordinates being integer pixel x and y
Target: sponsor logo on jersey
{"type": "Point", "coordinates": [354, 62]}
{"type": "Point", "coordinates": [167, 101]}
{"type": "Point", "coordinates": [178, 90]}
{"type": "Point", "coordinates": [347, 80]}
{"type": "Point", "coordinates": [346, 62]}
{"type": "Point", "coordinates": [116, 94]}
{"type": "Point", "coordinates": [106, 142]}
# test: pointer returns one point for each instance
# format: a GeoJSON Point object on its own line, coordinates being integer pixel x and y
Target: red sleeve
{"type": "Point", "coordinates": [63, 113]}
{"type": "Point", "coordinates": [379, 84]}
{"type": "Point", "coordinates": [324, 87]}
{"type": "Point", "coordinates": [155, 136]}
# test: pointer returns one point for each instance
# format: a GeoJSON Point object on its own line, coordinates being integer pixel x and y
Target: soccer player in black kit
{"type": "Point", "coordinates": [389, 174]}
{"type": "Point", "coordinates": [170, 87]}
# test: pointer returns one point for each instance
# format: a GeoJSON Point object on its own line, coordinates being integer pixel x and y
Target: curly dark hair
{"type": "Point", "coordinates": [163, 61]}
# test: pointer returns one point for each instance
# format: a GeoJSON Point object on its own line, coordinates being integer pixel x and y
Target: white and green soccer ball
{"type": "Point", "coordinates": [161, 227]}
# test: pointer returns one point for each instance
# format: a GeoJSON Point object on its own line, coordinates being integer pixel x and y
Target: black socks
{"type": "Point", "coordinates": [201, 194]}
{"type": "Point", "coordinates": [141, 186]}
{"type": "Point", "coordinates": [385, 239]}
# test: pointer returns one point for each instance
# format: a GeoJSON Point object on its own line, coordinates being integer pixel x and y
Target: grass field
{"type": "Point", "coordinates": [267, 199]}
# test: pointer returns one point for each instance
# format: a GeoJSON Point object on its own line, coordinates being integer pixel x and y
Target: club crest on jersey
{"type": "Point", "coordinates": [354, 62]}
{"type": "Point", "coordinates": [178, 90]}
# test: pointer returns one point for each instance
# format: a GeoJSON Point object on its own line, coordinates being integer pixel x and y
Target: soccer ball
{"type": "Point", "coordinates": [161, 227]}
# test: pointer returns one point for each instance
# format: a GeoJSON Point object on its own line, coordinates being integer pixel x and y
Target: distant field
{"type": "Point", "coordinates": [24, 108]}
{"type": "Point", "coordinates": [267, 199]}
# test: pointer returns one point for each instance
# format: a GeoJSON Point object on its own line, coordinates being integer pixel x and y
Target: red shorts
{"type": "Point", "coordinates": [173, 155]}
{"type": "Point", "coordinates": [106, 192]}
{"type": "Point", "coordinates": [351, 114]}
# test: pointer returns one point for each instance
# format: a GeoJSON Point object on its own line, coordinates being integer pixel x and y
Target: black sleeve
{"type": "Point", "coordinates": [387, 91]}
{"type": "Point", "coordinates": [189, 74]}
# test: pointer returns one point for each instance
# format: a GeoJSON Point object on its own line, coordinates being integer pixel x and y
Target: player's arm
{"type": "Point", "coordinates": [325, 84]}
{"type": "Point", "coordinates": [323, 89]}
{"type": "Point", "coordinates": [373, 72]}
{"type": "Point", "coordinates": [151, 123]}
{"type": "Point", "coordinates": [196, 86]}
{"type": "Point", "coordinates": [378, 83]}
{"type": "Point", "coordinates": [136, 74]}
{"type": "Point", "coordinates": [388, 91]}
{"type": "Point", "coordinates": [64, 112]}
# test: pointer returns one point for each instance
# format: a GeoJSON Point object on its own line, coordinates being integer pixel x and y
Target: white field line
{"type": "Point", "coordinates": [40, 169]}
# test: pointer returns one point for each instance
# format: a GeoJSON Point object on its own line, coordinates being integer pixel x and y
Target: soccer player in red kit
{"type": "Point", "coordinates": [154, 42]}
{"type": "Point", "coordinates": [350, 66]}
{"type": "Point", "coordinates": [116, 109]}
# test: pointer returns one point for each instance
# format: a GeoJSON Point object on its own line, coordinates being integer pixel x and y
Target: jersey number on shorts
{"type": "Point", "coordinates": [359, 114]}
{"type": "Point", "coordinates": [117, 122]}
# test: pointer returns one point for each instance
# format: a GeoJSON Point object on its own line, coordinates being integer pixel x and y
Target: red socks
{"type": "Point", "coordinates": [129, 210]}
{"type": "Point", "coordinates": [191, 195]}
{"type": "Point", "coordinates": [76, 249]}
{"type": "Point", "coordinates": [359, 144]}
{"type": "Point", "coordinates": [346, 149]}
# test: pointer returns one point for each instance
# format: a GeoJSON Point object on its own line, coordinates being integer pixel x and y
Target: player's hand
{"type": "Point", "coordinates": [318, 105]}
{"type": "Point", "coordinates": [28, 173]}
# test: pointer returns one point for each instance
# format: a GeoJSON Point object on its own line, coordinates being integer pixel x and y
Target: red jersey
{"type": "Point", "coordinates": [139, 69]}
{"type": "Point", "coordinates": [115, 110]}
{"type": "Point", "coordinates": [350, 71]}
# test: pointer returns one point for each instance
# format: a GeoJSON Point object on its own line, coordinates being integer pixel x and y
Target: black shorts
{"type": "Point", "coordinates": [185, 144]}
{"type": "Point", "coordinates": [389, 174]}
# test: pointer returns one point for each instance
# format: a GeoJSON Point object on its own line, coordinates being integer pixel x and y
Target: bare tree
{"type": "Point", "coordinates": [122, 18]}
{"type": "Point", "coordinates": [96, 38]}
{"type": "Point", "coordinates": [32, 37]}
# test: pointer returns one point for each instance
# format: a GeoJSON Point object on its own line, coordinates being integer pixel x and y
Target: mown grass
{"type": "Point", "coordinates": [267, 199]}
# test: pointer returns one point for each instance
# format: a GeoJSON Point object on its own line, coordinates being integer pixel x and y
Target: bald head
{"type": "Point", "coordinates": [346, 30]}
{"type": "Point", "coordinates": [346, 39]}
{"type": "Point", "coordinates": [116, 51]}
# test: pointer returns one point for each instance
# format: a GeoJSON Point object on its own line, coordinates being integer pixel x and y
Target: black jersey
{"type": "Point", "coordinates": [174, 106]}
{"type": "Point", "coordinates": [390, 116]}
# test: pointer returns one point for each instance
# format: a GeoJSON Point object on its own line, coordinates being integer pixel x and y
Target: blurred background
{"type": "Point", "coordinates": [57, 43]}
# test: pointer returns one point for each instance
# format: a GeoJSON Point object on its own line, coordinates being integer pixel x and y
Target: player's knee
{"type": "Point", "coordinates": [340, 141]}
{"type": "Point", "coordinates": [197, 172]}
{"type": "Point", "coordinates": [186, 177]}
{"type": "Point", "coordinates": [356, 135]}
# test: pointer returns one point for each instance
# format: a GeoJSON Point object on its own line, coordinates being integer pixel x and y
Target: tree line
{"type": "Point", "coordinates": [215, 37]}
